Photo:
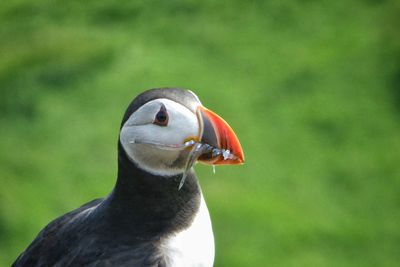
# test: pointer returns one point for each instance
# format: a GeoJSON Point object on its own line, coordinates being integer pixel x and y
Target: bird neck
{"type": "Point", "coordinates": [150, 205]}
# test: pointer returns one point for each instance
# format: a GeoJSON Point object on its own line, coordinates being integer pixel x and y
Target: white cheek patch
{"type": "Point", "coordinates": [139, 130]}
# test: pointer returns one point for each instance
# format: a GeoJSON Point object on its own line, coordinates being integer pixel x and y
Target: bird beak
{"type": "Point", "coordinates": [216, 132]}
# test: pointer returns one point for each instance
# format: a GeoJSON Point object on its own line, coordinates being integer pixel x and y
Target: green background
{"type": "Point", "coordinates": [312, 89]}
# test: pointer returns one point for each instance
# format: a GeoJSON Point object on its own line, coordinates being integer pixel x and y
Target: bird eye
{"type": "Point", "coordinates": [161, 118]}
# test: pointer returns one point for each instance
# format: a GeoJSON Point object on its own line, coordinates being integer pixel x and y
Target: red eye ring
{"type": "Point", "coordinates": [161, 118]}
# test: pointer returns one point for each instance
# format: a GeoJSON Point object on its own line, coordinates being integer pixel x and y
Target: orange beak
{"type": "Point", "coordinates": [217, 133]}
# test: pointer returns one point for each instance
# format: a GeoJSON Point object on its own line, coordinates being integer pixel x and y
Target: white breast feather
{"type": "Point", "coordinates": [193, 247]}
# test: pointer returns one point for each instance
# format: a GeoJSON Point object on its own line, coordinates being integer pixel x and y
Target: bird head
{"type": "Point", "coordinates": [163, 129]}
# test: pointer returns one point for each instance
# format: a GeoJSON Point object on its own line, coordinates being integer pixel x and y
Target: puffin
{"type": "Point", "coordinates": [155, 216]}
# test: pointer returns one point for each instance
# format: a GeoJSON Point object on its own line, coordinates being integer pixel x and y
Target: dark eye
{"type": "Point", "coordinates": [161, 118]}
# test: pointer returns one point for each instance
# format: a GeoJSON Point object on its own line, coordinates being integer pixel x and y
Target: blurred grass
{"type": "Point", "coordinates": [312, 88]}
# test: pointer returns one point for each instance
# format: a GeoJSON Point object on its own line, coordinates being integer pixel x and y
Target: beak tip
{"type": "Point", "coordinates": [240, 157]}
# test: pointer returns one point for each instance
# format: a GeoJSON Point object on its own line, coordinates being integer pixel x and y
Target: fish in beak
{"type": "Point", "coordinates": [217, 143]}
